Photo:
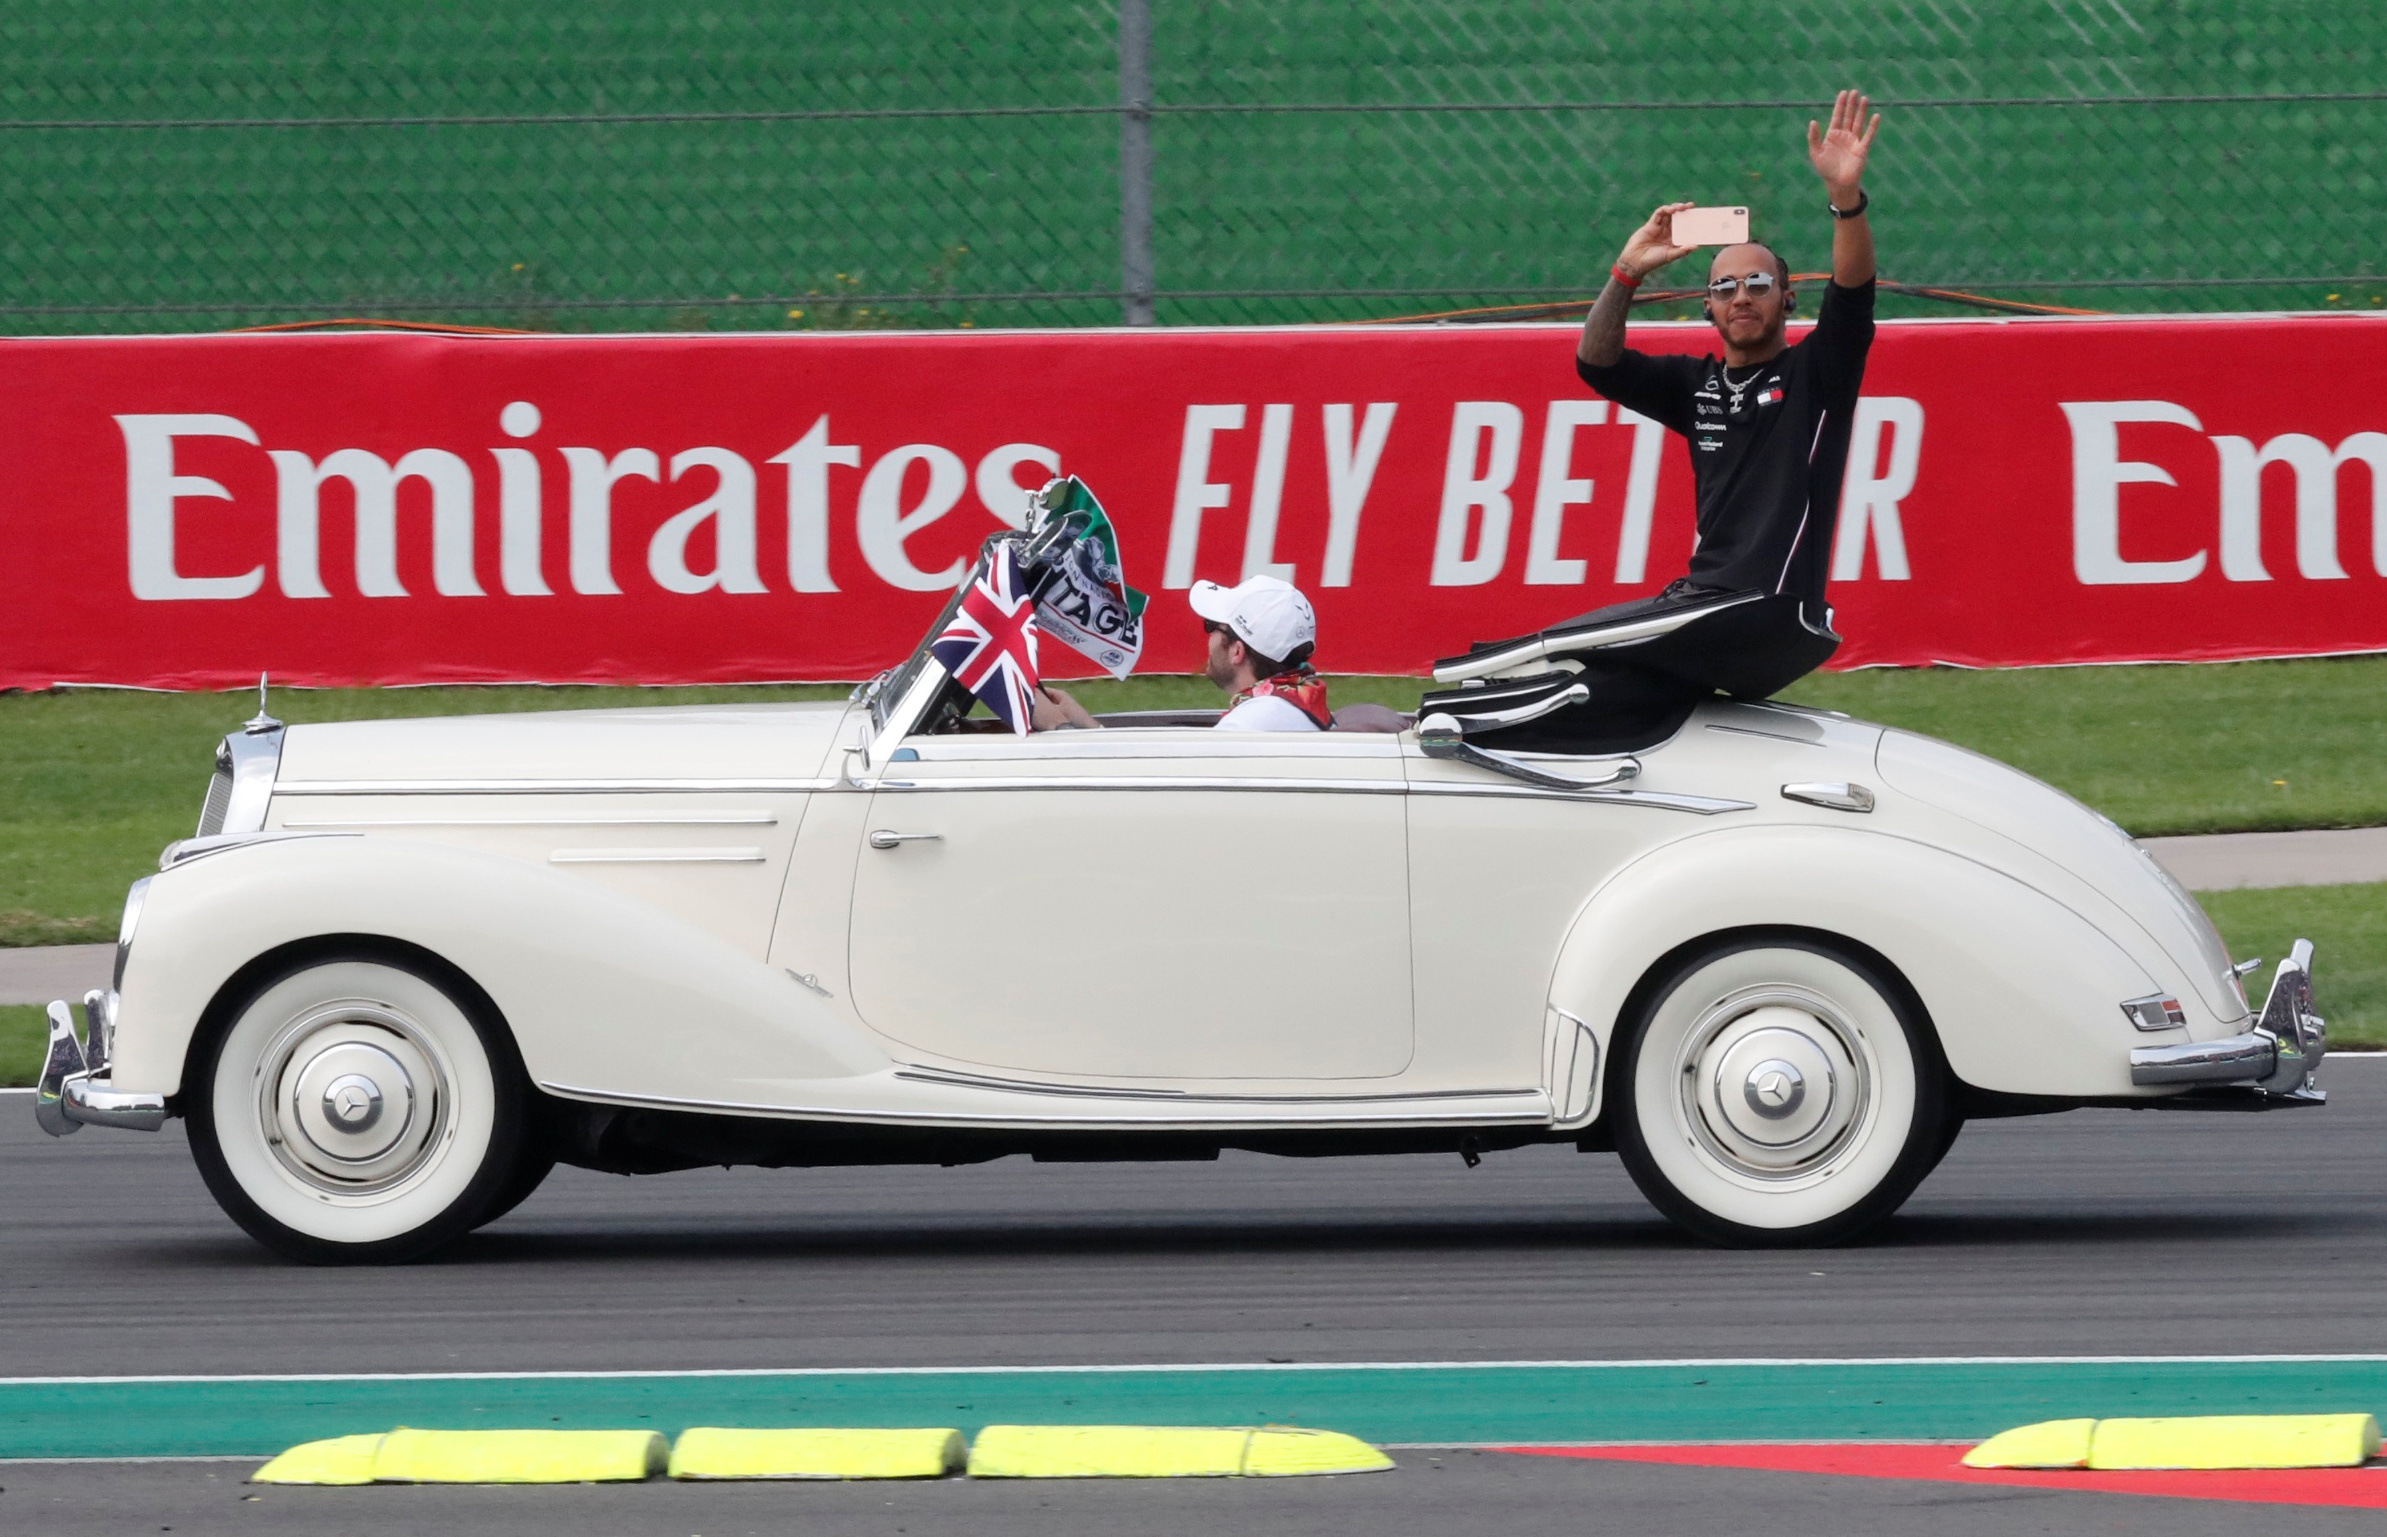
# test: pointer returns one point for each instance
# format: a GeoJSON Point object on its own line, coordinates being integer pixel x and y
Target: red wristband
{"type": "Point", "coordinates": [1617, 272]}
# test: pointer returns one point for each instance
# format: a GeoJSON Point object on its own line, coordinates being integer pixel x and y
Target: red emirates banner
{"type": "Point", "coordinates": [346, 509]}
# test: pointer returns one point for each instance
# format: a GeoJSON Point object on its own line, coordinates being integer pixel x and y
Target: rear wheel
{"type": "Point", "coordinates": [356, 1109]}
{"type": "Point", "coordinates": [1947, 1139]}
{"type": "Point", "coordinates": [1779, 1091]}
{"type": "Point", "coordinates": [530, 1172]}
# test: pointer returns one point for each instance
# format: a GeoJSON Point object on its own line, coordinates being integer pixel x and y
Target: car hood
{"type": "Point", "coordinates": [751, 743]}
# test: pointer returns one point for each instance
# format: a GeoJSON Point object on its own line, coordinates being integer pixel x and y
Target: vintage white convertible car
{"type": "Point", "coordinates": [1774, 959]}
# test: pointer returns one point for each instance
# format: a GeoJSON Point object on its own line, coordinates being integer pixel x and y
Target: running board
{"type": "Point", "coordinates": [915, 1096]}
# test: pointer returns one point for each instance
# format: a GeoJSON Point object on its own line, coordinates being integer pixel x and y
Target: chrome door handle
{"type": "Point", "coordinates": [881, 838]}
{"type": "Point", "coordinates": [1834, 797]}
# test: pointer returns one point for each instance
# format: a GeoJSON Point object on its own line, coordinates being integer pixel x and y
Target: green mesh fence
{"type": "Point", "coordinates": [601, 165]}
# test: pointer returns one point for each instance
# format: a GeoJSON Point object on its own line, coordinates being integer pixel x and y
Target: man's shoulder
{"type": "Point", "coordinates": [1266, 712]}
{"type": "Point", "coordinates": [1690, 365]}
{"type": "Point", "coordinates": [1687, 367]}
{"type": "Point", "coordinates": [1844, 311]}
{"type": "Point", "coordinates": [1841, 302]}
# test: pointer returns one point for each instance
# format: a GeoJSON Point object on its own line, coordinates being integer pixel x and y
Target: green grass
{"type": "Point", "coordinates": [2348, 929]}
{"type": "Point", "coordinates": [24, 1034]}
{"type": "Point", "coordinates": [94, 782]}
{"type": "Point", "coordinates": [2212, 747]}
{"type": "Point", "coordinates": [2347, 925]}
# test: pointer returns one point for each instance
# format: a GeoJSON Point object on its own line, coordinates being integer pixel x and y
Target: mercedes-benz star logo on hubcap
{"type": "Point", "coordinates": [353, 1101]}
{"type": "Point", "coordinates": [1775, 1088]}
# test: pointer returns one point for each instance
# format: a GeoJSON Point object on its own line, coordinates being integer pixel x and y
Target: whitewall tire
{"type": "Point", "coordinates": [354, 1108]}
{"type": "Point", "coordinates": [1779, 1090]}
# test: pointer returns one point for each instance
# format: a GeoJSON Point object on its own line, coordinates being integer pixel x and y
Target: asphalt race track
{"type": "Point", "coordinates": [2094, 1233]}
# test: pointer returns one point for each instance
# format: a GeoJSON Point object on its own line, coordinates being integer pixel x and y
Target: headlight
{"type": "Point", "coordinates": [124, 930]}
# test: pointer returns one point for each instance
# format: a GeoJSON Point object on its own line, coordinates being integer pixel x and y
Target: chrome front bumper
{"type": "Point", "coordinates": [75, 1088]}
{"type": "Point", "coordinates": [2275, 1062]}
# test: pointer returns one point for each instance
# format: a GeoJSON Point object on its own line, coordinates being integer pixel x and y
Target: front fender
{"type": "Point", "coordinates": [2024, 992]}
{"type": "Point", "coordinates": [602, 991]}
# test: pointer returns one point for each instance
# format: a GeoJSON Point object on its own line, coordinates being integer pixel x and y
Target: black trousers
{"type": "Point", "coordinates": [1742, 645]}
{"type": "Point", "coordinates": [1629, 708]}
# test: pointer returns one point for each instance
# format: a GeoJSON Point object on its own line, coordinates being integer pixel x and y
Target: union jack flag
{"type": "Point", "coordinates": [990, 645]}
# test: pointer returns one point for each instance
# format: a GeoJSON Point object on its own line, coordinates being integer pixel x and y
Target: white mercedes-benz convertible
{"type": "Point", "coordinates": [1774, 958]}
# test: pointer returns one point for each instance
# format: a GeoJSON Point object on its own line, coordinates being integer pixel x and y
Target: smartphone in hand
{"type": "Point", "coordinates": [1711, 226]}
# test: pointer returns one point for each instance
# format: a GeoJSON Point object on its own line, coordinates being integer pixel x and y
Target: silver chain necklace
{"type": "Point", "coordinates": [1724, 374]}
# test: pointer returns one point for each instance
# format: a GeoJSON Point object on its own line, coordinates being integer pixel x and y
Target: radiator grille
{"type": "Point", "coordinates": [219, 800]}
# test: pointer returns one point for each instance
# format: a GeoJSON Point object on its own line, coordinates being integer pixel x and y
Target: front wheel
{"type": "Point", "coordinates": [1778, 1091]}
{"type": "Point", "coordinates": [356, 1109]}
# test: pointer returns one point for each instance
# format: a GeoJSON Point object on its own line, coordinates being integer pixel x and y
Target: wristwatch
{"type": "Point", "coordinates": [1864, 201]}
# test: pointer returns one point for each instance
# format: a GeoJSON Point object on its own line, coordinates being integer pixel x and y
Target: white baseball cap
{"type": "Point", "coordinates": [1267, 614]}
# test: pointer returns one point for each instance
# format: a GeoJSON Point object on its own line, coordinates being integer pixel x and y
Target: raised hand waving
{"type": "Point", "coordinates": [1838, 153]}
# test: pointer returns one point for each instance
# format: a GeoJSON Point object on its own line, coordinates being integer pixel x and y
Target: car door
{"type": "Point", "coordinates": [1139, 904]}
{"type": "Point", "coordinates": [1500, 869]}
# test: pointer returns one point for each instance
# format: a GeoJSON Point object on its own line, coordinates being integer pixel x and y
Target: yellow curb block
{"type": "Point", "coordinates": [471, 1457]}
{"type": "Point", "coordinates": [2237, 1441]}
{"type": "Point", "coordinates": [2220, 1441]}
{"type": "Point", "coordinates": [1001, 1451]}
{"type": "Point", "coordinates": [518, 1456]}
{"type": "Point", "coordinates": [341, 1460]}
{"type": "Point", "coordinates": [2048, 1444]}
{"type": "Point", "coordinates": [1166, 1451]}
{"type": "Point", "coordinates": [709, 1452]}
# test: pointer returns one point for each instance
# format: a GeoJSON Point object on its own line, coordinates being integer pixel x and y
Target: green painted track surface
{"type": "Point", "coordinates": [1526, 1403]}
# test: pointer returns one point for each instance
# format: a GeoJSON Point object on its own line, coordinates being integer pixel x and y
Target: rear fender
{"type": "Point", "coordinates": [600, 990]}
{"type": "Point", "coordinates": [2024, 993]}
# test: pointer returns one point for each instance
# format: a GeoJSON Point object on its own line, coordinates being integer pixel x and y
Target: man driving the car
{"type": "Point", "coordinates": [1260, 634]}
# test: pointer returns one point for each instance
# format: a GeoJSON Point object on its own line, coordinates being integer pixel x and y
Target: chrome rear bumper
{"type": "Point", "coordinates": [2278, 1059]}
{"type": "Point", "coordinates": [75, 1088]}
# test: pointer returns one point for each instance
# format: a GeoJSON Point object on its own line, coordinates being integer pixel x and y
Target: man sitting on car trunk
{"type": "Point", "coordinates": [1261, 633]}
{"type": "Point", "coordinates": [1768, 425]}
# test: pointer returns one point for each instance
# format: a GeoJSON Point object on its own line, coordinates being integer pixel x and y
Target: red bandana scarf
{"type": "Point", "coordinates": [1301, 688]}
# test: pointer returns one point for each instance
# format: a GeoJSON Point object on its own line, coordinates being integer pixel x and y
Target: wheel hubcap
{"type": "Point", "coordinates": [1775, 1083]}
{"type": "Point", "coordinates": [1775, 1089]}
{"type": "Point", "coordinates": [353, 1102]}
{"type": "Point", "coordinates": [352, 1098]}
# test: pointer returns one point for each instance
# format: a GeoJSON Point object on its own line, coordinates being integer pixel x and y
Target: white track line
{"type": "Point", "coordinates": [709, 1373]}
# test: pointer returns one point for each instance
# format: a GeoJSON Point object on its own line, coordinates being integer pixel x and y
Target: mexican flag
{"type": "Point", "coordinates": [1085, 602]}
